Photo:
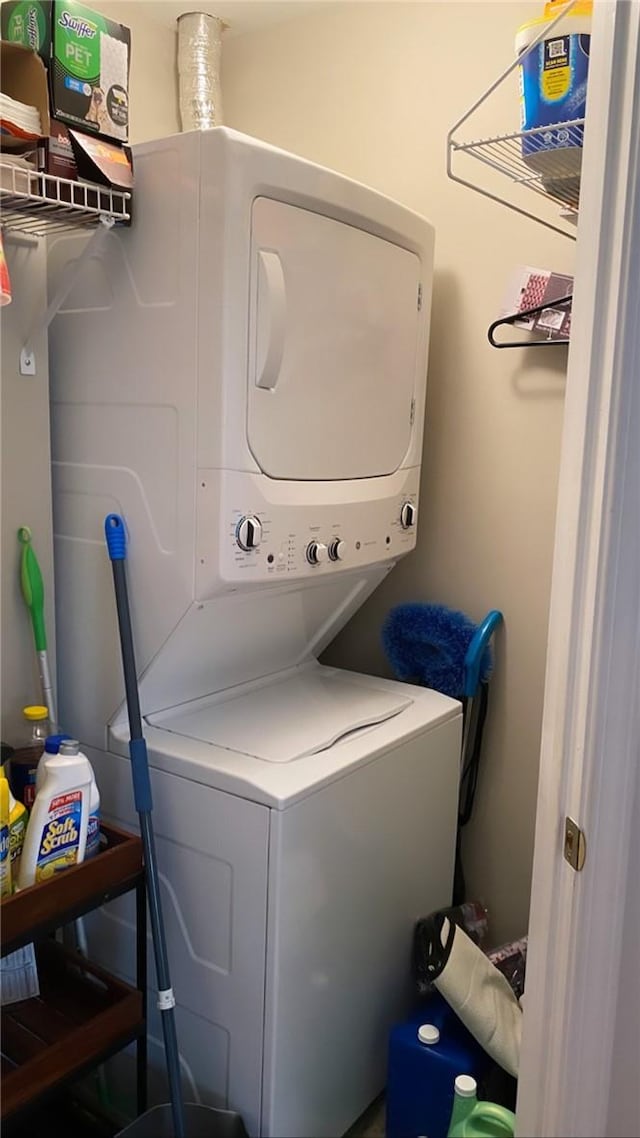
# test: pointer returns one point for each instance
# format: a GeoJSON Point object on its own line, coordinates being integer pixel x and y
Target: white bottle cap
{"type": "Point", "coordinates": [428, 1033]}
{"type": "Point", "coordinates": [466, 1086]}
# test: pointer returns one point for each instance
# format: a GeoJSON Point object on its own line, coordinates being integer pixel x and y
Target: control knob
{"type": "Point", "coordinates": [408, 515]}
{"type": "Point", "coordinates": [316, 552]}
{"type": "Point", "coordinates": [248, 533]}
{"type": "Point", "coordinates": [337, 549]}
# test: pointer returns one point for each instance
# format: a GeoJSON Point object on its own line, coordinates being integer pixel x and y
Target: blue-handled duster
{"type": "Point", "coordinates": [429, 645]}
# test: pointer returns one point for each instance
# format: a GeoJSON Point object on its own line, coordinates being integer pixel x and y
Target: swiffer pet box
{"type": "Point", "coordinates": [87, 56]}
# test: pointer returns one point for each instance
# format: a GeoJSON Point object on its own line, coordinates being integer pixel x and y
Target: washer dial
{"type": "Point", "coordinates": [248, 533]}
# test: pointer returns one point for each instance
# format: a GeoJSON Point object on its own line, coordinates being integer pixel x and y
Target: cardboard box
{"type": "Point", "coordinates": [102, 162]}
{"type": "Point", "coordinates": [54, 153]}
{"type": "Point", "coordinates": [24, 78]}
{"type": "Point", "coordinates": [87, 57]}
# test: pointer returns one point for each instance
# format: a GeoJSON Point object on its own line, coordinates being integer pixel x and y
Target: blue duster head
{"type": "Point", "coordinates": [427, 644]}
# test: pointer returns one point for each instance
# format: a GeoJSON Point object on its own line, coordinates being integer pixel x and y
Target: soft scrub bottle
{"type": "Point", "coordinates": [52, 747]}
{"type": "Point", "coordinates": [57, 831]}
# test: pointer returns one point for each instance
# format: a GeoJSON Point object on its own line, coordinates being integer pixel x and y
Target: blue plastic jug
{"type": "Point", "coordinates": [421, 1075]}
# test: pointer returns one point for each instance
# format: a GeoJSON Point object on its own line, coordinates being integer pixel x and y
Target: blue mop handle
{"type": "Point", "coordinates": [477, 649]}
{"type": "Point", "coordinates": [115, 534]}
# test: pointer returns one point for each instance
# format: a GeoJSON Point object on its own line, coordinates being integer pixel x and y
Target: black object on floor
{"type": "Point", "coordinates": [61, 1117]}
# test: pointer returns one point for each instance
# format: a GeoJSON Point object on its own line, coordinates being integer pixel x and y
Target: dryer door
{"type": "Point", "coordinates": [333, 333]}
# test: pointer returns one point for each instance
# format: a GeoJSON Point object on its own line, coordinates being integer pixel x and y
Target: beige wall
{"type": "Point", "coordinates": [371, 89]}
{"type": "Point", "coordinates": [153, 81]}
{"type": "Point", "coordinates": [24, 404]}
{"type": "Point", "coordinates": [26, 494]}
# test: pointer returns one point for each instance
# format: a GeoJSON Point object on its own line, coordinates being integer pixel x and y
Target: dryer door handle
{"type": "Point", "coordinates": [272, 300]}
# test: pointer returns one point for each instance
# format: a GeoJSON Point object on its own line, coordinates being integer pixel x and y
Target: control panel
{"type": "Point", "coordinates": [298, 532]}
{"type": "Point", "coordinates": [253, 533]}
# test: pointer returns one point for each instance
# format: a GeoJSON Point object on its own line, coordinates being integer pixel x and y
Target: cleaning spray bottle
{"type": "Point", "coordinates": [52, 747]}
{"type": "Point", "coordinates": [18, 816]}
{"type": "Point", "coordinates": [57, 831]}
{"type": "Point", "coordinates": [5, 857]}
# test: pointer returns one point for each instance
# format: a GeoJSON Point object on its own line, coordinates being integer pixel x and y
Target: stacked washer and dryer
{"type": "Point", "coordinates": [241, 375]}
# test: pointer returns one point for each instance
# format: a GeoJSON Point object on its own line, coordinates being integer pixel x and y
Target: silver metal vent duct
{"type": "Point", "coordinates": [199, 57]}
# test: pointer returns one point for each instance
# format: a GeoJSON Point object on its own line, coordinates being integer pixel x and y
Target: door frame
{"type": "Point", "coordinates": [590, 733]}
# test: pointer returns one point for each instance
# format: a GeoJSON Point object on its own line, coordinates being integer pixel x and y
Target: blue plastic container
{"type": "Point", "coordinates": [421, 1076]}
{"type": "Point", "coordinates": [553, 93]}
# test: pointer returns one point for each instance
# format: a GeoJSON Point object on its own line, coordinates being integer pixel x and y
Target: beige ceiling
{"type": "Point", "coordinates": [239, 15]}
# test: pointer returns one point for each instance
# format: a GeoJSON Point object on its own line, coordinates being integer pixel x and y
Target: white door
{"type": "Point", "coordinates": [334, 317]}
{"type": "Point", "coordinates": [581, 1048]}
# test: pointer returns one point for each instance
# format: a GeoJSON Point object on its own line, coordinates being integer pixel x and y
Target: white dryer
{"type": "Point", "coordinates": [242, 375]}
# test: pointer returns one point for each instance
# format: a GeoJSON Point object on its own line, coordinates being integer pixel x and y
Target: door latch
{"type": "Point", "coordinates": [575, 844]}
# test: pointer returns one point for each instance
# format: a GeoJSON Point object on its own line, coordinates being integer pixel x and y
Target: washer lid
{"type": "Point", "coordinates": [286, 719]}
{"type": "Point", "coordinates": [334, 327]}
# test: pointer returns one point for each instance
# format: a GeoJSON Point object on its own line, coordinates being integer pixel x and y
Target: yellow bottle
{"type": "Point", "coordinates": [5, 856]}
{"type": "Point", "coordinates": [18, 816]}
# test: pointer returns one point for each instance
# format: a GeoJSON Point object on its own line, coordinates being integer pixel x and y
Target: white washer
{"type": "Point", "coordinates": [291, 886]}
{"type": "Point", "coordinates": [242, 376]}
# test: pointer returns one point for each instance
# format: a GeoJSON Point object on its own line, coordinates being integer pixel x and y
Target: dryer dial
{"type": "Point", "coordinates": [316, 552]}
{"type": "Point", "coordinates": [248, 533]}
{"type": "Point", "coordinates": [408, 515]}
{"type": "Point", "coordinates": [337, 549]}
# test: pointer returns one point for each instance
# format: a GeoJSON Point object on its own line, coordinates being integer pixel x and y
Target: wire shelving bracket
{"type": "Point", "coordinates": [35, 205]}
{"type": "Point", "coordinates": [513, 154]}
{"type": "Point", "coordinates": [27, 355]}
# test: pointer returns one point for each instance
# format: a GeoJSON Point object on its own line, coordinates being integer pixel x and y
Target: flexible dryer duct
{"type": "Point", "coordinates": [199, 54]}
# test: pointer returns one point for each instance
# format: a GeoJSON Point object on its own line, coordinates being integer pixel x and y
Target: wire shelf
{"type": "Point", "coordinates": [39, 204]}
{"type": "Point", "coordinates": [546, 159]}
